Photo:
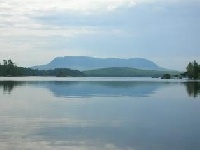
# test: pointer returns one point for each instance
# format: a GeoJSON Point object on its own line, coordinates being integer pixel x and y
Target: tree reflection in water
{"type": "Point", "coordinates": [193, 88]}
{"type": "Point", "coordinates": [8, 86]}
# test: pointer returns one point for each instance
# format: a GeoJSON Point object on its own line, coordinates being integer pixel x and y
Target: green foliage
{"type": "Point", "coordinates": [166, 76]}
{"type": "Point", "coordinates": [9, 69]}
{"type": "Point", "coordinates": [62, 72]}
{"type": "Point", "coordinates": [193, 70]}
{"type": "Point", "coordinates": [126, 72]}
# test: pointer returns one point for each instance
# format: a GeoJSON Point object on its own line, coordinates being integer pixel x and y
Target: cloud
{"type": "Point", "coordinates": [43, 29]}
{"type": "Point", "coordinates": [17, 17]}
{"type": "Point", "coordinates": [21, 13]}
{"type": "Point", "coordinates": [31, 7]}
{"type": "Point", "coordinates": [28, 6]}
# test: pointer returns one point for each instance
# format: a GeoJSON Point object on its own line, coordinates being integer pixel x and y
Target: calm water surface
{"type": "Point", "coordinates": [99, 114]}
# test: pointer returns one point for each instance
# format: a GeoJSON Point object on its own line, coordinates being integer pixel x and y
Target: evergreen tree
{"type": "Point", "coordinates": [193, 70]}
{"type": "Point", "coordinates": [196, 70]}
{"type": "Point", "coordinates": [190, 70]}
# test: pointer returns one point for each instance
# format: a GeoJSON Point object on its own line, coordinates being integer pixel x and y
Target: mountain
{"type": "Point", "coordinates": [126, 72]}
{"type": "Point", "coordinates": [88, 63]}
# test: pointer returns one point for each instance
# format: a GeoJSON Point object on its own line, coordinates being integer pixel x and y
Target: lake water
{"type": "Point", "coordinates": [99, 114]}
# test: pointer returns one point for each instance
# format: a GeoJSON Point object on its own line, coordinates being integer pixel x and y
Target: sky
{"type": "Point", "coordinates": [167, 32]}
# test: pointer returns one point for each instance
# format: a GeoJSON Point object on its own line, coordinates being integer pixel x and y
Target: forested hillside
{"type": "Point", "coordinates": [9, 69]}
{"type": "Point", "coordinates": [126, 72]}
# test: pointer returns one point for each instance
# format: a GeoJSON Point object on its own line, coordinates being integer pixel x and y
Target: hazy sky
{"type": "Point", "coordinates": [165, 31]}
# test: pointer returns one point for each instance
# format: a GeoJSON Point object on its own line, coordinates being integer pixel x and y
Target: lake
{"type": "Point", "coordinates": [50, 113]}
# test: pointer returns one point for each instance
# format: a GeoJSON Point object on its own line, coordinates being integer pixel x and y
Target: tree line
{"type": "Point", "coordinates": [9, 69]}
{"type": "Point", "coordinates": [193, 70]}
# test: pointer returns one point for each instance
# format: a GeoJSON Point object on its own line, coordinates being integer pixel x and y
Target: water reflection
{"type": "Point", "coordinates": [123, 138]}
{"type": "Point", "coordinates": [117, 115]}
{"type": "Point", "coordinates": [8, 86]}
{"type": "Point", "coordinates": [102, 89]}
{"type": "Point", "coordinates": [193, 88]}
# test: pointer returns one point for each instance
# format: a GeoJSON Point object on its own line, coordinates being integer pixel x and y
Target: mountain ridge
{"type": "Point", "coordinates": [88, 63]}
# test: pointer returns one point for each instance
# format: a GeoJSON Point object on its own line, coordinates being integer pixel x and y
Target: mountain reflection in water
{"type": "Point", "coordinates": [117, 115]}
{"type": "Point", "coordinates": [99, 88]}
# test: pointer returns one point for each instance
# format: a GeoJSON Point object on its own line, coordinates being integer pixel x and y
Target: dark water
{"type": "Point", "coordinates": [99, 114]}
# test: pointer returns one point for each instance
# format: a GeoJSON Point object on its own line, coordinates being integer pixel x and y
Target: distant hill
{"type": "Point", "coordinates": [126, 72]}
{"type": "Point", "coordinates": [89, 63]}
